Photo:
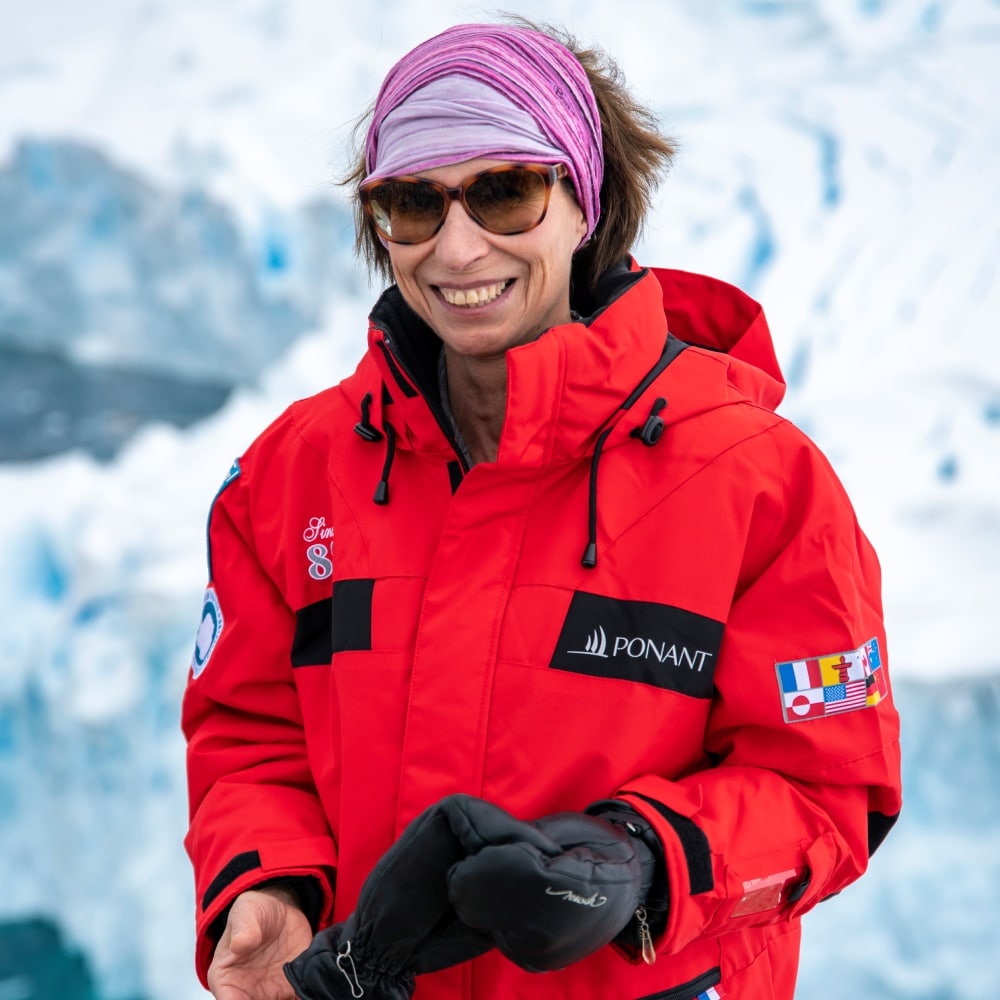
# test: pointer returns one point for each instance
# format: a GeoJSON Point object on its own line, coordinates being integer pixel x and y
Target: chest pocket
{"type": "Point", "coordinates": [334, 624]}
{"type": "Point", "coordinates": [361, 615]}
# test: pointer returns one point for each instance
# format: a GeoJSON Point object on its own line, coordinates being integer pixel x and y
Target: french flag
{"type": "Point", "coordinates": [800, 675]}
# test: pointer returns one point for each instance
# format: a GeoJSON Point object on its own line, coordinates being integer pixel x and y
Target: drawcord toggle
{"type": "Point", "coordinates": [652, 429]}
{"type": "Point", "coordinates": [364, 427]}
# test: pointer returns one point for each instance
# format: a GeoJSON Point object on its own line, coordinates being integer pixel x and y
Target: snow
{"type": "Point", "coordinates": [839, 160]}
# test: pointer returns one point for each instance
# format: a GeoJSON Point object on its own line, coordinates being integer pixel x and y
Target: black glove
{"type": "Point", "coordinates": [554, 890]}
{"type": "Point", "coordinates": [404, 923]}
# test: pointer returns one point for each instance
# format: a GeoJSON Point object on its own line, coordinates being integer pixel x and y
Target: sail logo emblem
{"type": "Point", "coordinates": [596, 644]}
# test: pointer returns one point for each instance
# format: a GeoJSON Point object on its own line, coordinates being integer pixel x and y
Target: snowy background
{"type": "Point", "coordinates": [175, 267]}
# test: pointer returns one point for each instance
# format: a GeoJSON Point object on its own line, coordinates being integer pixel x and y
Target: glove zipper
{"type": "Point", "coordinates": [344, 958]}
{"type": "Point", "coordinates": [645, 937]}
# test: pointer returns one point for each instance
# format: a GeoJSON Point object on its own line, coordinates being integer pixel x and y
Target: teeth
{"type": "Point", "coordinates": [473, 296]}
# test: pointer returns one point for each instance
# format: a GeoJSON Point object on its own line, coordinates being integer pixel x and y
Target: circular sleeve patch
{"type": "Point", "coordinates": [208, 632]}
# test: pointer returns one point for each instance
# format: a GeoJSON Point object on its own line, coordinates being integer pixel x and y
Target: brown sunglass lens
{"type": "Point", "coordinates": [406, 210]}
{"type": "Point", "coordinates": [507, 201]}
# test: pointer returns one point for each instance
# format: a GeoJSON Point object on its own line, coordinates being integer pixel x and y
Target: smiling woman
{"type": "Point", "coordinates": [537, 707]}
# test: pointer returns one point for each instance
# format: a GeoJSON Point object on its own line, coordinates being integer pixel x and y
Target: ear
{"type": "Point", "coordinates": [579, 225]}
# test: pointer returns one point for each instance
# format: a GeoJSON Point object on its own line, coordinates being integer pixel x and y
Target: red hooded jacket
{"type": "Point", "coordinates": [657, 592]}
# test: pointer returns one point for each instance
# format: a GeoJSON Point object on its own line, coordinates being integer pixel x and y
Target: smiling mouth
{"type": "Point", "coordinates": [471, 298]}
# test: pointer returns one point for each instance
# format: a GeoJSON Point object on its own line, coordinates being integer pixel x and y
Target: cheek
{"type": "Point", "coordinates": [404, 267]}
{"type": "Point", "coordinates": [404, 273]}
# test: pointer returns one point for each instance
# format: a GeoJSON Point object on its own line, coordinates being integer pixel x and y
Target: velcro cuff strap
{"type": "Point", "coordinates": [234, 868]}
{"type": "Point", "coordinates": [694, 844]}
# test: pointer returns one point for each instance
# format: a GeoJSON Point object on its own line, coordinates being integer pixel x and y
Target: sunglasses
{"type": "Point", "coordinates": [505, 200]}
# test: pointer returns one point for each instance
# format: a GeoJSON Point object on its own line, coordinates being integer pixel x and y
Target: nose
{"type": "Point", "coordinates": [460, 241]}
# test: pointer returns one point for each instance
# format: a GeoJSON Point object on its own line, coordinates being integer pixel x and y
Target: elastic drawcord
{"type": "Point", "coordinates": [589, 559]}
{"type": "Point", "coordinates": [367, 431]}
{"type": "Point", "coordinates": [649, 434]}
{"type": "Point", "coordinates": [382, 490]}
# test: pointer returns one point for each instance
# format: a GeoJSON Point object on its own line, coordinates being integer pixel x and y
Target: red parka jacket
{"type": "Point", "coordinates": [657, 592]}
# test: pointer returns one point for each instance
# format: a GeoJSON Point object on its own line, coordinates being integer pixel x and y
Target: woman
{"type": "Point", "coordinates": [601, 687]}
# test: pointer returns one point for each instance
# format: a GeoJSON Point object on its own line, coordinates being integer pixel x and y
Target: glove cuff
{"type": "Point", "coordinates": [334, 968]}
{"type": "Point", "coordinates": [655, 889]}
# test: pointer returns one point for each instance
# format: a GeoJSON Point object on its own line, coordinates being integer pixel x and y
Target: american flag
{"type": "Point", "coordinates": [845, 697]}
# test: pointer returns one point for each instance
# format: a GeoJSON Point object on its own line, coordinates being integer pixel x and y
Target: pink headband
{"type": "Point", "coordinates": [541, 107]}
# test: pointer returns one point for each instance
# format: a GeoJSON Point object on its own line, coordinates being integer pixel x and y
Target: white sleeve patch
{"type": "Point", "coordinates": [208, 632]}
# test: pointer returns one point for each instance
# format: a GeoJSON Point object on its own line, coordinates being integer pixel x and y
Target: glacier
{"type": "Point", "coordinates": [129, 302]}
{"type": "Point", "coordinates": [175, 267]}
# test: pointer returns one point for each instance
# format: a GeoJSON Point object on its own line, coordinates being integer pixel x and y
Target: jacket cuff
{"type": "Point", "coordinates": [308, 895]}
{"type": "Point", "coordinates": [309, 883]}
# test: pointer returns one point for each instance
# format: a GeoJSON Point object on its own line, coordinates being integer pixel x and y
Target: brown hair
{"type": "Point", "coordinates": [636, 156]}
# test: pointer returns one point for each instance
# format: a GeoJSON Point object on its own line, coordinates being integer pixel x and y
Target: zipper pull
{"type": "Point", "coordinates": [344, 958]}
{"type": "Point", "coordinates": [645, 937]}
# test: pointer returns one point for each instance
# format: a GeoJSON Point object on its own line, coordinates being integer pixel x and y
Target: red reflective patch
{"type": "Point", "coordinates": [767, 893]}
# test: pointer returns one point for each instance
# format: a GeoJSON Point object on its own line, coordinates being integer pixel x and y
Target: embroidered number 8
{"type": "Point", "coordinates": [320, 565]}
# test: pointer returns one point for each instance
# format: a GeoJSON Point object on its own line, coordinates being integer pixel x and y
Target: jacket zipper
{"type": "Point", "coordinates": [689, 990]}
{"type": "Point", "coordinates": [408, 383]}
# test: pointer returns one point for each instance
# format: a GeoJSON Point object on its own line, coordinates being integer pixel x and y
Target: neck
{"type": "Point", "coordinates": [477, 391]}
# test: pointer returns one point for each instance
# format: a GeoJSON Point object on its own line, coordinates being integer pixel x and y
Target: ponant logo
{"type": "Point", "coordinates": [643, 648]}
{"type": "Point", "coordinates": [596, 644]}
{"type": "Point", "coordinates": [641, 641]}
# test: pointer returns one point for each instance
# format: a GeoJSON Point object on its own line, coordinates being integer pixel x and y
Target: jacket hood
{"type": "Point", "coordinates": [706, 312]}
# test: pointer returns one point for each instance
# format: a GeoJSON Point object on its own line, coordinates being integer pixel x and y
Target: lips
{"type": "Point", "coordinates": [470, 298]}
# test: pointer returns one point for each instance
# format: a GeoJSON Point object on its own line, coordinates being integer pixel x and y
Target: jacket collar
{"type": "Point", "coordinates": [561, 388]}
{"type": "Point", "coordinates": [578, 380]}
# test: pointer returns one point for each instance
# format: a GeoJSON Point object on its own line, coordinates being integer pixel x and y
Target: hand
{"type": "Point", "coordinates": [552, 891]}
{"type": "Point", "coordinates": [265, 929]}
{"type": "Point", "coordinates": [404, 923]}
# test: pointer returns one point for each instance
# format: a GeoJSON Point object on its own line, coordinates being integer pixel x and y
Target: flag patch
{"type": "Point", "coordinates": [712, 993]}
{"type": "Point", "coordinates": [828, 685]}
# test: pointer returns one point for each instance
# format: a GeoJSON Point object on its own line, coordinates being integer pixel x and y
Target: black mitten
{"type": "Point", "coordinates": [554, 890]}
{"type": "Point", "coordinates": [336, 967]}
{"type": "Point", "coordinates": [404, 923]}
